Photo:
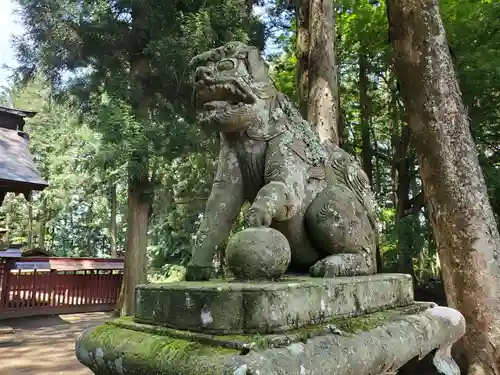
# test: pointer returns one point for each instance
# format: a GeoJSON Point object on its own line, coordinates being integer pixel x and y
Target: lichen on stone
{"type": "Point", "coordinates": [152, 351]}
{"type": "Point", "coordinates": [347, 325]}
{"type": "Point", "coordinates": [265, 140]}
{"type": "Point", "coordinates": [365, 344]}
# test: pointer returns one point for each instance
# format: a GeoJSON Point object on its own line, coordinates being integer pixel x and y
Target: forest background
{"type": "Point", "coordinates": [128, 166]}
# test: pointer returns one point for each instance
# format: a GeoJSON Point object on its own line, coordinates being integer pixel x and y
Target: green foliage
{"type": "Point", "coordinates": [179, 206]}
{"type": "Point", "coordinates": [89, 135]}
{"type": "Point", "coordinates": [284, 64]}
{"type": "Point", "coordinates": [72, 213]}
{"type": "Point", "coordinates": [98, 43]}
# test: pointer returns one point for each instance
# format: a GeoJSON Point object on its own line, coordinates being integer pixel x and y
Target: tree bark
{"type": "Point", "coordinates": [30, 225]}
{"type": "Point", "coordinates": [139, 186]}
{"type": "Point", "coordinates": [402, 180]}
{"type": "Point", "coordinates": [302, 53]}
{"type": "Point", "coordinates": [400, 139]}
{"type": "Point", "coordinates": [367, 149]}
{"type": "Point", "coordinates": [6, 237]}
{"type": "Point", "coordinates": [42, 226]}
{"type": "Point", "coordinates": [323, 111]}
{"type": "Point", "coordinates": [136, 262]}
{"type": "Point", "coordinates": [43, 218]}
{"type": "Point", "coordinates": [341, 126]}
{"type": "Point", "coordinates": [112, 224]}
{"type": "Point", "coordinates": [91, 249]}
{"type": "Point", "coordinates": [462, 219]}
{"type": "Point", "coordinates": [41, 233]}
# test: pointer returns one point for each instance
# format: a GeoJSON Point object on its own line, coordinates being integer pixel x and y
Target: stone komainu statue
{"type": "Point", "coordinates": [315, 194]}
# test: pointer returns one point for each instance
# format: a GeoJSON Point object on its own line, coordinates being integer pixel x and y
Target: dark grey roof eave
{"type": "Point", "coordinates": [17, 112]}
{"type": "Point", "coordinates": [23, 185]}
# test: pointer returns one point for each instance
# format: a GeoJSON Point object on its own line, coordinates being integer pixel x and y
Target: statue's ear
{"type": "Point", "coordinates": [257, 67]}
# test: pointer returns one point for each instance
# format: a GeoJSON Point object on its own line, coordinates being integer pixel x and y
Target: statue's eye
{"type": "Point", "coordinates": [225, 65]}
{"type": "Point", "coordinates": [229, 47]}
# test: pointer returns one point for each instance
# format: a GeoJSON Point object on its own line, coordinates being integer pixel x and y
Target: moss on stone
{"type": "Point", "coordinates": [176, 342]}
{"type": "Point", "coordinates": [229, 342]}
{"type": "Point", "coordinates": [370, 321]}
{"type": "Point", "coordinates": [145, 351]}
{"type": "Point", "coordinates": [234, 308]}
{"type": "Point", "coordinates": [361, 323]}
{"type": "Point", "coordinates": [151, 346]}
{"type": "Point", "coordinates": [112, 350]}
{"type": "Point", "coordinates": [208, 283]}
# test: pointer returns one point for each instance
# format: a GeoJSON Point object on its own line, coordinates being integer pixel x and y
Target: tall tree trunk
{"type": "Point", "coordinates": [249, 6]}
{"type": "Point", "coordinates": [403, 223]}
{"type": "Point", "coordinates": [42, 224]}
{"type": "Point", "coordinates": [139, 186]}
{"type": "Point", "coordinates": [136, 262]}
{"type": "Point", "coordinates": [91, 250]}
{"type": "Point", "coordinates": [462, 219]}
{"type": "Point", "coordinates": [30, 225]}
{"type": "Point", "coordinates": [400, 139]}
{"type": "Point", "coordinates": [41, 233]}
{"type": "Point", "coordinates": [72, 239]}
{"type": "Point", "coordinates": [112, 225]}
{"type": "Point", "coordinates": [367, 149]}
{"type": "Point", "coordinates": [52, 237]}
{"type": "Point", "coordinates": [323, 111]}
{"type": "Point", "coordinates": [418, 230]}
{"type": "Point", "coordinates": [6, 237]}
{"type": "Point", "coordinates": [341, 126]}
{"type": "Point", "coordinates": [302, 53]}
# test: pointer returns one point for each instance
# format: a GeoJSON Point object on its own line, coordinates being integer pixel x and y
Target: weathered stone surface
{"type": "Point", "coordinates": [316, 194]}
{"type": "Point", "coordinates": [378, 348]}
{"type": "Point", "coordinates": [258, 254]}
{"type": "Point", "coordinates": [245, 342]}
{"type": "Point", "coordinates": [235, 307]}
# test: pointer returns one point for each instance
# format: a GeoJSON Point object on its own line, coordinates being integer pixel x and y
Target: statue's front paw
{"type": "Point", "coordinates": [258, 217]}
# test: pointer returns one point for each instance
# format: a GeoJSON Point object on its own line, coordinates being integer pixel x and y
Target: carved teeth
{"type": "Point", "coordinates": [229, 93]}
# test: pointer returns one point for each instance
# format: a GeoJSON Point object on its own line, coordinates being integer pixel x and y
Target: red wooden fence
{"type": "Point", "coordinates": [46, 286]}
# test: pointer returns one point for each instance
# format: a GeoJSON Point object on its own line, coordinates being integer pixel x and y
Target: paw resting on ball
{"type": "Point", "coordinates": [258, 217]}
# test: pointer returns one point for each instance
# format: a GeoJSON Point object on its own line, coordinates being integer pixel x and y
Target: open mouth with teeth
{"type": "Point", "coordinates": [210, 95]}
{"type": "Point", "coordinates": [225, 105]}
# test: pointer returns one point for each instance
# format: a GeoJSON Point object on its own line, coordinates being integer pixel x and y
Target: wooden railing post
{"type": "Point", "coordinates": [6, 266]}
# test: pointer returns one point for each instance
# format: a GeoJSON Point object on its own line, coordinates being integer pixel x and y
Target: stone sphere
{"type": "Point", "coordinates": [258, 254]}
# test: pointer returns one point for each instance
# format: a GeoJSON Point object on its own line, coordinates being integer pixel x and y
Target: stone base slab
{"type": "Point", "coordinates": [275, 340]}
{"type": "Point", "coordinates": [364, 345]}
{"type": "Point", "coordinates": [224, 307]}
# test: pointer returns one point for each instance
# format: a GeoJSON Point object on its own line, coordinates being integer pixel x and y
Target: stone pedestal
{"type": "Point", "coordinates": [302, 326]}
{"type": "Point", "coordinates": [266, 307]}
